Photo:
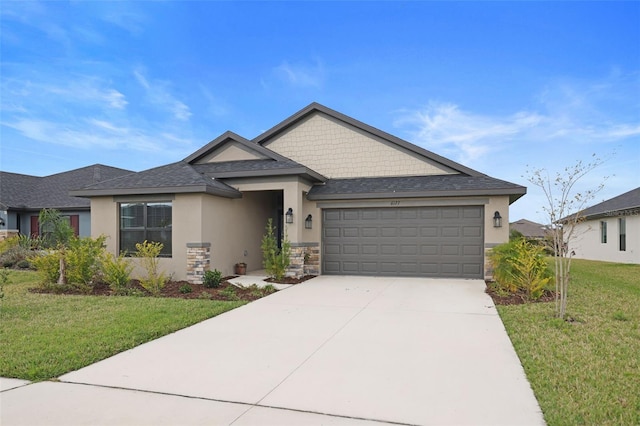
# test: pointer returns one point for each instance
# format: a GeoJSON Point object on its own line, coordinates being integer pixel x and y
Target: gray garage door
{"type": "Point", "coordinates": [404, 241]}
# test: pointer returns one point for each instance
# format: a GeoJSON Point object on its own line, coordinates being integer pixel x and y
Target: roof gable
{"type": "Point", "coordinates": [339, 146]}
{"type": "Point", "coordinates": [231, 147]}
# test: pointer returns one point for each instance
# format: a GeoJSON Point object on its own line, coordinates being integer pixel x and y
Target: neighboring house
{"type": "Point", "coordinates": [351, 198]}
{"type": "Point", "coordinates": [610, 230]}
{"type": "Point", "coordinates": [530, 230]}
{"type": "Point", "coordinates": [22, 197]}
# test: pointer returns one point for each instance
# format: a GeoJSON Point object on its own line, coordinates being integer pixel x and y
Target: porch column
{"type": "Point", "coordinates": [198, 261]}
{"type": "Point", "coordinates": [292, 198]}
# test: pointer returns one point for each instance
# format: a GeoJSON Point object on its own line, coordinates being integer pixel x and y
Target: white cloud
{"type": "Point", "coordinates": [466, 134]}
{"type": "Point", "coordinates": [160, 96]}
{"type": "Point", "coordinates": [568, 113]}
{"type": "Point", "coordinates": [301, 75]}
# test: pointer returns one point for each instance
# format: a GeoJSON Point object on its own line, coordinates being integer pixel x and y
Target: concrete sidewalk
{"type": "Point", "coordinates": [333, 350]}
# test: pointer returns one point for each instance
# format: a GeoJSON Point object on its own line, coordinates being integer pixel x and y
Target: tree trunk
{"type": "Point", "coordinates": [62, 279]}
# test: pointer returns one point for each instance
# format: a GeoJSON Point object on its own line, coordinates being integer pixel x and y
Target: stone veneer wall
{"type": "Point", "coordinates": [198, 261]}
{"type": "Point", "coordinates": [297, 266]}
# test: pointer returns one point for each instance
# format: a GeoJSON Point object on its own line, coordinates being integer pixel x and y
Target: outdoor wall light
{"type": "Point", "coordinates": [308, 222]}
{"type": "Point", "coordinates": [289, 215]}
{"type": "Point", "coordinates": [497, 220]}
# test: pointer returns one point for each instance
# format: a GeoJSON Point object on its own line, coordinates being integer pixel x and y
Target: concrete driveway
{"type": "Point", "coordinates": [333, 350]}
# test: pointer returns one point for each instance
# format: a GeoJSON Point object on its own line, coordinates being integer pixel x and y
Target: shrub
{"type": "Point", "coordinates": [148, 253]}
{"type": "Point", "coordinates": [184, 289]}
{"type": "Point", "coordinates": [8, 243]}
{"type": "Point", "coordinates": [116, 272]}
{"type": "Point", "coordinates": [4, 280]}
{"type": "Point", "coordinates": [48, 265]}
{"type": "Point", "coordinates": [212, 279]}
{"type": "Point", "coordinates": [83, 259]}
{"type": "Point", "coordinates": [229, 293]}
{"type": "Point", "coordinates": [521, 266]}
{"type": "Point", "coordinates": [15, 254]}
{"type": "Point", "coordinates": [23, 264]}
{"type": "Point", "coordinates": [275, 261]}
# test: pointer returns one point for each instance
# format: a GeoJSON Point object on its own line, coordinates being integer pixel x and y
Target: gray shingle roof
{"type": "Point", "coordinates": [415, 186]}
{"type": "Point", "coordinates": [627, 201]}
{"type": "Point", "coordinates": [177, 177]}
{"type": "Point", "coordinates": [247, 168]}
{"type": "Point", "coordinates": [19, 191]}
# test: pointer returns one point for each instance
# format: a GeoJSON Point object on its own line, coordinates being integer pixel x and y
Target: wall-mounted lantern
{"type": "Point", "coordinates": [497, 220]}
{"type": "Point", "coordinates": [289, 216]}
{"type": "Point", "coordinates": [308, 222]}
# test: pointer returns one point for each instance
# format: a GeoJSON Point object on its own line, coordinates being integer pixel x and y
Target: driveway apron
{"type": "Point", "coordinates": [398, 350]}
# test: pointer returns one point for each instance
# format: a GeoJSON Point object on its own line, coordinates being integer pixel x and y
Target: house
{"type": "Point", "coordinates": [530, 230]}
{"type": "Point", "coordinates": [22, 197]}
{"type": "Point", "coordinates": [610, 230]}
{"type": "Point", "coordinates": [350, 198]}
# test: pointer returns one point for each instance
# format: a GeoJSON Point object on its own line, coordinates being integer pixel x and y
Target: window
{"type": "Point", "coordinates": [622, 227]}
{"type": "Point", "coordinates": [603, 232]}
{"type": "Point", "coordinates": [145, 221]}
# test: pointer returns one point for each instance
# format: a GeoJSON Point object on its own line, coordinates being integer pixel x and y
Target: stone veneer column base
{"type": "Point", "coordinates": [198, 261]}
{"type": "Point", "coordinates": [298, 267]}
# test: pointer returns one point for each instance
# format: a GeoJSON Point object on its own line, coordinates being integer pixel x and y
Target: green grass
{"type": "Point", "coordinates": [587, 371]}
{"type": "Point", "coordinates": [43, 336]}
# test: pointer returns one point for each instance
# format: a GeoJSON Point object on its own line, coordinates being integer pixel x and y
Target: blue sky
{"type": "Point", "coordinates": [497, 86]}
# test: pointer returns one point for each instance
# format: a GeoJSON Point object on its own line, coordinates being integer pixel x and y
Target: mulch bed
{"type": "Point", "coordinates": [518, 298]}
{"type": "Point", "coordinates": [172, 289]}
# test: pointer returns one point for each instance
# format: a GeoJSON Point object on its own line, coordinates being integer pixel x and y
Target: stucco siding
{"type": "Point", "coordinates": [587, 244]}
{"type": "Point", "coordinates": [338, 150]}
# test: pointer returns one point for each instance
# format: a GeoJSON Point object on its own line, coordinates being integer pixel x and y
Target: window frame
{"type": "Point", "coordinates": [622, 231]}
{"type": "Point", "coordinates": [167, 250]}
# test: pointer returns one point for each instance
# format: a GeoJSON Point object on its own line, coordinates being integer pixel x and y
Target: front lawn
{"type": "Point", "coordinates": [43, 336]}
{"type": "Point", "coordinates": [586, 371]}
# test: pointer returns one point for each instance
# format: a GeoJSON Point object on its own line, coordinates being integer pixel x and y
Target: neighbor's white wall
{"type": "Point", "coordinates": [586, 241]}
{"type": "Point", "coordinates": [337, 150]}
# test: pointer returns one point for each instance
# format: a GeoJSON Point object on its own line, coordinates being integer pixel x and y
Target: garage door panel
{"type": "Point", "coordinates": [330, 231]}
{"type": "Point", "coordinates": [429, 231]}
{"type": "Point", "coordinates": [450, 213]}
{"type": "Point", "coordinates": [408, 249]}
{"type": "Point", "coordinates": [332, 248]}
{"type": "Point", "coordinates": [409, 241]}
{"type": "Point", "coordinates": [450, 250]}
{"type": "Point", "coordinates": [369, 249]}
{"type": "Point", "coordinates": [409, 231]}
{"type": "Point", "coordinates": [369, 232]}
{"type": "Point", "coordinates": [388, 231]}
{"type": "Point", "coordinates": [331, 215]}
{"type": "Point", "coordinates": [389, 267]}
{"type": "Point", "coordinates": [450, 231]}
{"type": "Point", "coordinates": [349, 232]}
{"type": "Point", "coordinates": [388, 249]}
{"type": "Point", "coordinates": [471, 231]}
{"type": "Point", "coordinates": [348, 215]}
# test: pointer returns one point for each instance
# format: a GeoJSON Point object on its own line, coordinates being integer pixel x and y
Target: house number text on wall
{"type": "Point", "coordinates": [395, 203]}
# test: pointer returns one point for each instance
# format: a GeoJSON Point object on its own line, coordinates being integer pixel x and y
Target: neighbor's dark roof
{"type": "Point", "coordinates": [529, 229]}
{"type": "Point", "coordinates": [177, 177]}
{"type": "Point", "coordinates": [415, 186]}
{"type": "Point", "coordinates": [627, 201]}
{"type": "Point", "coordinates": [18, 191]}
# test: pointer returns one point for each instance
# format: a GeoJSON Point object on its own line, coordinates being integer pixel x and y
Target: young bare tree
{"type": "Point", "coordinates": [563, 210]}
